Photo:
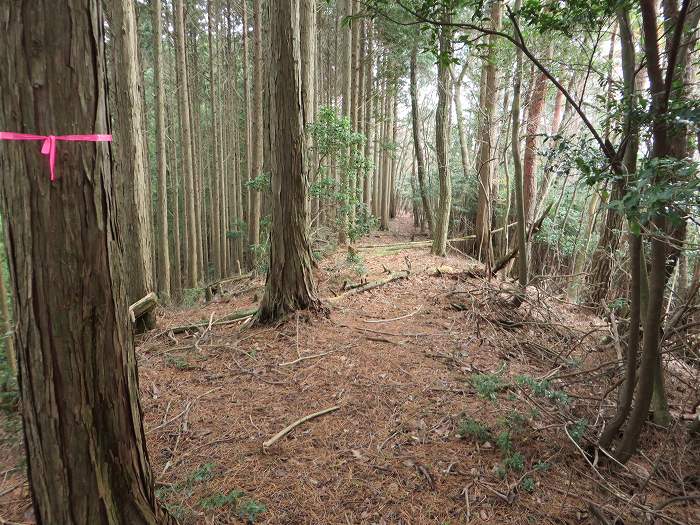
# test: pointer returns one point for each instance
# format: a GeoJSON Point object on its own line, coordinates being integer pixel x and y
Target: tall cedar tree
{"type": "Point", "coordinates": [290, 284]}
{"type": "Point", "coordinates": [86, 449]}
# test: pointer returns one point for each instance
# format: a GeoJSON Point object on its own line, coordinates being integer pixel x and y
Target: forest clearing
{"type": "Point", "coordinates": [349, 262]}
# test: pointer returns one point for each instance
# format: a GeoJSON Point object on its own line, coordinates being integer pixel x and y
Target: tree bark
{"type": "Point", "coordinates": [534, 122]}
{"type": "Point", "coordinates": [442, 141]}
{"type": "Point", "coordinates": [256, 161]}
{"type": "Point", "coordinates": [484, 248]}
{"type": "Point", "coordinates": [163, 271]}
{"type": "Point", "coordinates": [217, 164]}
{"type": "Point", "coordinates": [290, 285]}
{"type": "Point", "coordinates": [192, 274]}
{"type": "Point", "coordinates": [417, 142]}
{"type": "Point", "coordinates": [132, 190]}
{"type": "Point", "coordinates": [346, 182]}
{"type": "Point", "coordinates": [518, 170]}
{"type": "Point", "coordinates": [86, 449]}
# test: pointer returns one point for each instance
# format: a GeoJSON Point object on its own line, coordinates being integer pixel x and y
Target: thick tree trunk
{"type": "Point", "coordinates": [417, 142]}
{"type": "Point", "coordinates": [442, 141]}
{"type": "Point", "coordinates": [163, 269]}
{"type": "Point", "coordinates": [86, 450]}
{"type": "Point", "coordinates": [132, 191]}
{"type": "Point", "coordinates": [192, 274]}
{"type": "Point", "coordinates": [484, 214]}
{"type": "Point", "coordinates": [290, 285]}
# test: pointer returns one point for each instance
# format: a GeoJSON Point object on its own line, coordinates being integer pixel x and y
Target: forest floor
{"type": "Point", "coordinates": [454, 407]}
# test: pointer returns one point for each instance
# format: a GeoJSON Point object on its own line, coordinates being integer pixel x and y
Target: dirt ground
{"type": "Point", "coordinates": [453, 407]}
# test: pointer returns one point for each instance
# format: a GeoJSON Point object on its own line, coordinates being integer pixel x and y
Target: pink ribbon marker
{"type": "Point", "coordinates": [48, 147]}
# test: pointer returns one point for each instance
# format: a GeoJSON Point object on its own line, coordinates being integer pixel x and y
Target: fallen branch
{"type": "Point", "coordinates": [286, 430]}
{"type": "Point", "coordinates": [304, 359]}
{"type": "Point", "coordinates": [238, 315]}
{"type": "Point", "coordinates": [532, 231]}
{"type": "Point", "coordinates": [421, 244]}
{"type": "Point", "coordinates": [394, 318]}
{"type": "Point", "coordinates": [395, 276]}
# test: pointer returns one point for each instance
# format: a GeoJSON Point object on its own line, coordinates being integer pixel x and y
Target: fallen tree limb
{"type": "Point", "coordinates": [230, 318]}
{"type": "Point", "coordinates": [394, 276]}
{"type": "Point", "coordinates": [304, 358]}
{"type": "Point", "coordinates": [510, 256]}
{"type": "Point", "coordinates": [420, 244]}
{"type": "Point", "coordinates": [286, 430]}
{"type": "Point", "coordinates": [248, 312]}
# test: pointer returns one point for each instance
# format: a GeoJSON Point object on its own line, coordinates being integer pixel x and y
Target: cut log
{"type": "Point", "coordinates": [213, 288]}
{"type": "Point", "coordinates": [142, 313]}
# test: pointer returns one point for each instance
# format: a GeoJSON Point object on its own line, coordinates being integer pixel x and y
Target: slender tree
{"type": "Point", "coordinates": [192, 274]}
{"type": "Point", "coordinates": [442, 127]}
{"type": "Point", "coordinates": [484, 162]}
{"type": "Point", "coordinates": [256, 160]}
{"type": "Point", "coordinates": [417, 141]}
{"type": "Point", "coordinates": [518, 168]}
{"type": "Point", "coordinates": [163, 252]}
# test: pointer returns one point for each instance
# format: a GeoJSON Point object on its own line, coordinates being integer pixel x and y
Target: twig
{"type": "Point", "coordinates": [184, 411]}
{"type": "Point", "coordinates": [286, 430]}
{"type": "Point", "coordinates": [304, 359]}
{"type": "Point", "coordinates": [393, 318]}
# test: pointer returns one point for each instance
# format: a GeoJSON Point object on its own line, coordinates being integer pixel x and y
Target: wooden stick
{"type": "Point", "coordinates": [303, 359]}
{"type": "Point", "coordinates": [232, 317]}
{"type": "Point", "coordinates": [374, 284]}
{"type": "Point", "coordinates": [286, 430]}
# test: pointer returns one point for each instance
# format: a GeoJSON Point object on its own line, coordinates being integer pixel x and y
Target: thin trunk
{"type": "Point", "coordinates": [163, 271]}
{"type": "Point", "coordinates": [442, 141]}
{"type": "Point", "coordinates": [192, 275]}
{"type": "Point", "coordinates": [257, 134]}
{"type": "Point", "coordinates": [417, 143]}
{"type": "Point", "coordinates": [346, 94]}
{"type": "Point", "coordinates": [217, 164]}
{"type": "Point", "coordinates": [484, 215]}
{"type": "Point", "coordinates": [518, 171]}
{"type": "Point", "coordinates": [534, 122]}
{"type": "Point", "coordinates": [369, 99]}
